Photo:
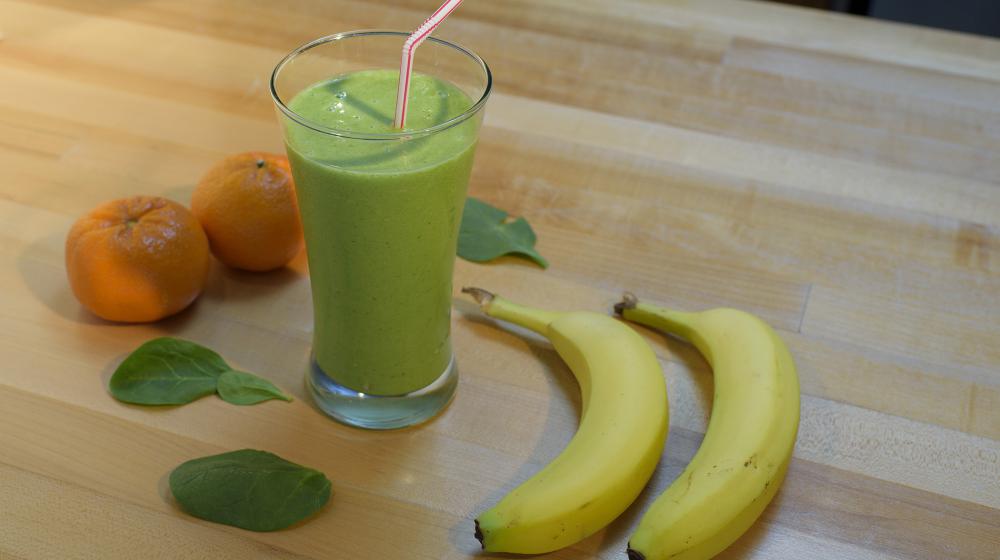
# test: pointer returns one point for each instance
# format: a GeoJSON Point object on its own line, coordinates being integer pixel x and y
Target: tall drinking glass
{"type": "Point", "coordinates": [380, 208]}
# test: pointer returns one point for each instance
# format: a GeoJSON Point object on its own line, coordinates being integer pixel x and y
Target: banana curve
{"type": "Point", "coordinates": [616, 447]}
{"type": "Point", "coordinates": [747, 446]}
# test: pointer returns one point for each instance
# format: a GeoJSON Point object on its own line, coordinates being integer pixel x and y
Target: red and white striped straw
{"type": "Point", "coordinates": [406, 64]}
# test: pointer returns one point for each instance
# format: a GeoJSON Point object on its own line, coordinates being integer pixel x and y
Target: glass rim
{"type": "Point", "coordinates": [402, 135]}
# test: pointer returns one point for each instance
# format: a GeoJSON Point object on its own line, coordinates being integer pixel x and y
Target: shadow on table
{"type": "Point", "coordinates": [48, 283]}
{"type": "Point", "coordinates": [230, 284]}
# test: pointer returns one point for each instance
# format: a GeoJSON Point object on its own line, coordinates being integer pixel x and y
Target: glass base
{"type": "Point", "coordinates": [376, 412]}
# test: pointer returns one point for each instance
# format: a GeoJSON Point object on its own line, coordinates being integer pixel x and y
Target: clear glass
{"type": "Point", "coordinates": [380, 210]}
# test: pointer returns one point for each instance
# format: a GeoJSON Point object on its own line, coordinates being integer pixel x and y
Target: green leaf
{"type": "Point", "coordinates": [250, 489]}
{"type": "Point", "coordinates": [167, 371]}
{"type": "Point", "coordinates": [242, 388]}
{"type": "Point", "coordinates": [487, 234]}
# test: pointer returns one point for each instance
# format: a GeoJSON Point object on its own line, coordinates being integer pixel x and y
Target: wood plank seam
{"type": "Point", "coordinates": [805, 307]}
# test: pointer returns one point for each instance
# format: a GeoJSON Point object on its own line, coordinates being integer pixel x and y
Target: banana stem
{"type": "Point", "coordinates": [495, 306]}
{"type": "Point", "coordinates": [678, 323]}
{"type": "Point", "coordinates": [634, 554]}
{"type": "Point", "coordinates": [482, 297]}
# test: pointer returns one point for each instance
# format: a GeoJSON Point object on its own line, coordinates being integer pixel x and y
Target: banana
{"type": "Point", "coordinates": [617, 445]}
{"type": "Point", "coordinates": [747, 447]}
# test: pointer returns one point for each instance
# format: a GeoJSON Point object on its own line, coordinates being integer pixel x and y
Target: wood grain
{"type": "Point", "coordinates": [835, 175]}
{"type": "Point", "coordinates": [95, 525]}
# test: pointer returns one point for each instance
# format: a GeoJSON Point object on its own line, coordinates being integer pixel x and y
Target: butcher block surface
{"type": "Point", "coordinates": [837, 176]}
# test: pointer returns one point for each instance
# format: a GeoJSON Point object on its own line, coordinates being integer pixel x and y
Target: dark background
{"type": "Point", "coordinates": [970, 16]}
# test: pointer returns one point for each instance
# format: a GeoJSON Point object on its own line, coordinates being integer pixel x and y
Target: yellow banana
{"type": "Point", "coordinates": [748, 443]}
{"type": "Point", "coordinates": [621, 434]}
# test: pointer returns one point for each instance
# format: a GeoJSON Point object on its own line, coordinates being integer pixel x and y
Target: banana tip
{"type": "Point", "coordinates": [479, 532]}
{"type": "Point", "coordinates": [629, 301]}
{"type": "Point", "coordinates": [634, 554]}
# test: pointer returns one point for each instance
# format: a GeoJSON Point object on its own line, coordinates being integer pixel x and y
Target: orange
{"type": "Point", "coordinates": [137, 259]}
{"type": "Point", "coordinates": [246, 203]}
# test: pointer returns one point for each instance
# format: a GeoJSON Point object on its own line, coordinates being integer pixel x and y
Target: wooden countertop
{"type": "Point", "coordinates": [838, 176]}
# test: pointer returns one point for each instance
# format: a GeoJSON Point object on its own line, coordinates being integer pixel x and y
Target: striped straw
{"type": "Point", "coordinates": [409, 47]}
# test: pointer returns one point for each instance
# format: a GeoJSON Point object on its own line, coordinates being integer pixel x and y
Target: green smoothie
{"type": "Point", "coordinates": [381, 221]}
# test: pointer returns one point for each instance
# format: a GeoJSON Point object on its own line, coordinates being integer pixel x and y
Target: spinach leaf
{"type": "Point", "coordinates": [167, 371]}
{"type": "Point", "coordinates": [486, 234]}
{"type": "Point", "coordinates": [242, 388]}
{"type": "Point", "coordinates": [173, 371]}
{"type": "Point", "coordinates": [250, 489]}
